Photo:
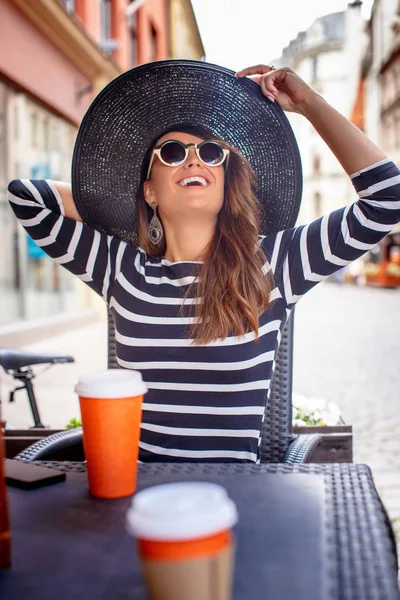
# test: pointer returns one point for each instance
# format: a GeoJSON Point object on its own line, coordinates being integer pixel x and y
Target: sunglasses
{"type": "Point", "coordinates": [173, 153]}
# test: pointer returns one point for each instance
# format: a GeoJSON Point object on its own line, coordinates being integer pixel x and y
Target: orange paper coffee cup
{"type": "Point", "coordinates": [111, 411]}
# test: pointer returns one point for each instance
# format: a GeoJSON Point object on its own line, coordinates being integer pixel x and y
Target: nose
{"type": "Point", "coordinates": [192, 158]}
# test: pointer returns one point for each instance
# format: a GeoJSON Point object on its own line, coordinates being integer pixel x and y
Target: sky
{"type": "Point", "coordinates": [240, 33]}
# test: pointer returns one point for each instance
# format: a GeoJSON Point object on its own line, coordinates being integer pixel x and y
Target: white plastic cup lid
{"type": "Point", "coordinates": [111, 383]}
{"type": "Point", "coordinates": [181, 511]}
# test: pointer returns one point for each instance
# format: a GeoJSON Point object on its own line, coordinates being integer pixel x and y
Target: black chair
{"type": "Point", "coordinates": [278, 444]}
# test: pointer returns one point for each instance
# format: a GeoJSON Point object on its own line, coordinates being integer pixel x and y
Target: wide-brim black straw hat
{"type": "Point", "coordinates": [137, 107]}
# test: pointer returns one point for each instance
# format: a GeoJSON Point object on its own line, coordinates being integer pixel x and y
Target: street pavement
{"type": "Point", "coordinates": [54, 387]}
{"type": "Point", "coordinates": [347, 350]}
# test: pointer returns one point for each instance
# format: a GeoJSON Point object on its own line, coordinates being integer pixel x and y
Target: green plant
{"type": "Point", "coordinates": [72, 423]}
{"type": "Point", "coordinates": [308, 411]}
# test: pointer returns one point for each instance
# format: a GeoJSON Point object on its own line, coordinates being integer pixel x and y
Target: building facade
{"type": "Point", "coordinates": [386, 72]}
{"type": "Point", "coordinates": [184, 36]}
{"type": "Point", "coordinates": [381, 77]}
{"type": "Point", "coordinates": [50, 70]}
{"type": "Point", "coordinates": [328, 57]}
{"type": "Point", "coordinates": [55, 57]}
{"type": "Point", "coordinates": [377, 112]}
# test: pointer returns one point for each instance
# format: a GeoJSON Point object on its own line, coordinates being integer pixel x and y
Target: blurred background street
{"type": "Point", "coordinates": [57, 55]}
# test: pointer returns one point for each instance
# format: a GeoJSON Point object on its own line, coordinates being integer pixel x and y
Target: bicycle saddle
{"type": "Point", "coordinates": [15, 359]}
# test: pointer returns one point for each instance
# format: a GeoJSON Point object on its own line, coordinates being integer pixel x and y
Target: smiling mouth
{"type": "Point", "coordinates": [195, 181]}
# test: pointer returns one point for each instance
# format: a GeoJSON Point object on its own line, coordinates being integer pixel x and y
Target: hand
{"type": "Point", "coordinates": [282, 85]}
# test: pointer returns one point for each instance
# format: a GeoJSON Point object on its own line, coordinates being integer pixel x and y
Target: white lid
{"type": "Point", "coordinates": [181, 511]}
{"type": "Point", "coordinates": [112, 383]}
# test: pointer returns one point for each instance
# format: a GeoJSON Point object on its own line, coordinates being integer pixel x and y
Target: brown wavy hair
{"type": "Point", "coordinates": [233, 289]}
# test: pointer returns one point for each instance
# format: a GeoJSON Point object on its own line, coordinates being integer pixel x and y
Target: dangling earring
{"type": "Point", "coordinates": [155, 230]}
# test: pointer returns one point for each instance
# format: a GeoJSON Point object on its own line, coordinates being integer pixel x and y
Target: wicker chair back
{"type": "Point", "coordinates": [276, 431]}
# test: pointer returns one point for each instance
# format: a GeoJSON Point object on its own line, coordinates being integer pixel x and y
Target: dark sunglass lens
{"type": "Point", "coordinates": [211, 153]}
{"type": "Point", "coordinates": [173, 153]}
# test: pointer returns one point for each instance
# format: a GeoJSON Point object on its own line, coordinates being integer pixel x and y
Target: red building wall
{"type": "Point", "coordinates": [88, 14]}
{"type": "Point", "coordinates": [43, 71]}
{"type": "Point", "coordinates": [29, 59]}
{"type": "Point", "coordinates": [120, 32]}
{"type": "Point", "coordinates": [152, 31]}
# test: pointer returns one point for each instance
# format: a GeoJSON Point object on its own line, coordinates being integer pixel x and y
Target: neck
{"type": "Point", "coordinates": [188, 241]}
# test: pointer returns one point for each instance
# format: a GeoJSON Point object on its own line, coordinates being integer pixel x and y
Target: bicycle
{"type": "Point", "coordinates": [19, 363]}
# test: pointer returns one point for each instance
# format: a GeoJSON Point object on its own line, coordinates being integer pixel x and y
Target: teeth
{"type": "Point", "coordinates": [200, 180]}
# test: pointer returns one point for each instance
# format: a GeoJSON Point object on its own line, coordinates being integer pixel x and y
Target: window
{"type": "Point", "coordinates": [317, 205]}
{"type": "Point", "coordinates": [17, 170]}
{"type": "Point", "coordinates": [314, 68]}
{"type": "Point", "coordinates": [69, 5]}
{"type": "Point", "coordinates": [386, 132]}
{"type": "Point", "coordinates": [133, 40]}
{"type": "Point", "coordinates": [55, 135]}
{"type": "Point", "coordinates": [46, 143]}
{"type": "Point", "coordinates": [153, 44]}
{"type": "Point", "coordinates": [16, 121]}
{"type": "Point", "coordinates": [34, 130]}
{"type": "Point", "coordinates": [106, 20]}
{"type": "Point", "coordinates": [108, 42]}
{"type": "Point", "coordinates": [316, 164]}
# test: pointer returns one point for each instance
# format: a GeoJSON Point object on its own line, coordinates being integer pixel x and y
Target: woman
{"type": "Point", "coordinates": [200, 305]}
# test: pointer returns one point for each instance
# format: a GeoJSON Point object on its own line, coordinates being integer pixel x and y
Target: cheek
{"type": "Point", "coordinates": [162, 180]}
{"type": "Point", "coordinates": [221, 183]}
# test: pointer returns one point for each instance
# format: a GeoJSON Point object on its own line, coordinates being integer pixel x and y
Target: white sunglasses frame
{"type": "Point", "coordinates": [157, 152]}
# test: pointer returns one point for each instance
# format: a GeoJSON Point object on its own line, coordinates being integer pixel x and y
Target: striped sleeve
{"type": "Point", "coordinates": [303, 256]}
{"type": "Point", "coordinates": [90, 255]}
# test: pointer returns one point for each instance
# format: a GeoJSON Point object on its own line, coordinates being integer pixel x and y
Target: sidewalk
{"type": "Point", "coordinates": [347, 349]}
{"type": "Point", "coordinates": [54, 388]}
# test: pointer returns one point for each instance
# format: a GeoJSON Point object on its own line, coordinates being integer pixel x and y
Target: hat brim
{"type": "Point", "coordinates": [142, 103]}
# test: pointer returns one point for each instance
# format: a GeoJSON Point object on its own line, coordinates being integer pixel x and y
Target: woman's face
{"type": "Point", "coordinates": [166, 186]}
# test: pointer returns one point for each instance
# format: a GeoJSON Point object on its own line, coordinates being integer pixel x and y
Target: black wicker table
{"type": "Point", "coordinates": [358, 555]}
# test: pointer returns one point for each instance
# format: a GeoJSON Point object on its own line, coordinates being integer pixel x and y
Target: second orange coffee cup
{"type": "Point", "coordinates": [185, 540]}
{"type": "Point", "coordinates": [111, 410]}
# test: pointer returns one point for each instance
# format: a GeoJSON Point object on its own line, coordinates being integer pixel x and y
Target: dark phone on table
{"type": "Point", "coordinates": [30, 476]}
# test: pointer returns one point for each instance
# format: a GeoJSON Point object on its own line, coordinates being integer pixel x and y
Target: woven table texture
{"type": "Point", "coordinates": [361, 550]}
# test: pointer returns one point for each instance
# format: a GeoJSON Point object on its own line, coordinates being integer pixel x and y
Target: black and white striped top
{"type": "Point", "coordinates": [204, 402]}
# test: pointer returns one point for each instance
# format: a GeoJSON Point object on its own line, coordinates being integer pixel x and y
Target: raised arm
{"type": "Point", "coordinates": [353, 149]}
{"type": "Point", "coordinates": [303, 256]}
{"type": "Point", "coordinates": [65, 191]}
{"type": "Point", "coordinates": [48, 213]}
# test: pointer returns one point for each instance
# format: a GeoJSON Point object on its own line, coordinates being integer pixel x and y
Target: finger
{"type": "Point", "coordinates": [265, 90]}
{"type": "Point", "coordinates": [272, 79]}
{"type": "Point", "coordinates": [270, 83]}
{"type": "Point", "coordinates": [256, 79]}
{"type": "Point", "coordinates": [255, 70]}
